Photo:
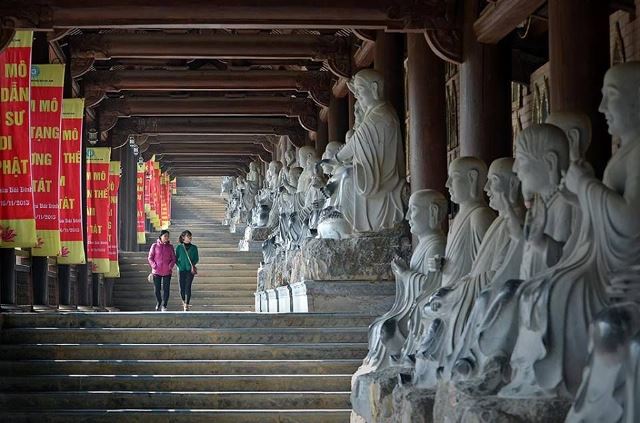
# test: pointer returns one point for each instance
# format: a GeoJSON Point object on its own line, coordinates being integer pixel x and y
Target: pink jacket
{"type": "Point", "coordinates": [162, 258]}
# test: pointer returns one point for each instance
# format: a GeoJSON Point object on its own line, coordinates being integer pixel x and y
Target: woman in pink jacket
{"type": "Point", "coordinates": [162, 258]}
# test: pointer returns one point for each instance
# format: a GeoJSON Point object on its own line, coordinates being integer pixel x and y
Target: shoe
{"type": "Point", "coordinates": [189, 307]}
{"type": "Point", "coordinates": [157, 307]}
{"type": "Point", "coordinates": [164, 308]}
{"type": "Point", "coordinates": [185, 307]}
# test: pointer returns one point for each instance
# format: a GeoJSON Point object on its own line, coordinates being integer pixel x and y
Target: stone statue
{"type": "Point", "coordinates": [467, 177]}
{"type": "Point", "coordinates": [337, 211]}
{"type": "Point", "coordinates": [542, 155]}
{"type": "Point", "coordinates": [273, 172]}
{"type": "Point", "coordinates": [449, 307]}
{"type": "Point", "coordinates": [427, 210]}
{"type": "Point", "coordinates": [227, 186]}
{"type": "Point", "coordinates": [376, 152]}
{"type": "Point", "coordinates": [551, 349]}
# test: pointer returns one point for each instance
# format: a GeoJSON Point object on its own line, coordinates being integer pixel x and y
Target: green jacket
{"type": "Point", "coordinates": [181, 255]}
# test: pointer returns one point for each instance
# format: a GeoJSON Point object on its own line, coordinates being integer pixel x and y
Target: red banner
{"type": "Point", "coordinates": [17, 215]}
{"type": "Point", "coordinates": [114, 186]}
{"type": "Point", "coordinates": [140, 194]}
{"type": "Point", "coordinates": [98, 208]}
{"type": "Point", "coordinates": [164, 200]}
{"type": "Point", "coordinates": [47, 83]}
{"type": "Point", "coordinates": [70, 205]}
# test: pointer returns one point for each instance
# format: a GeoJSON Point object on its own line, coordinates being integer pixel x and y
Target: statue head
{"type": "Point", "coordinates": [294, 175]}
{"type": "Point", "coordinates": [427, 209]}
{"type": "Point", "coordinates": [467, 177]}
{"type": "Point", "coordinates": [502, 180]}
{"type": "Point", "coordinates": [542, 155]}
{"type": "Point", "coordinates": [368, 87]}
{"type": "Point", "coordinates": [329, 153]}
{"type": "Point", "coordinates": [358, 114]}
{"type": "Point", "coordinates": [274, 167]}
{"type": "Point", "coordinates": [577, 128]}
{"type": "Point", "coordinates": [304, 154]}
{"type": "Point", "coordinates": [621, 100]}
{"type": "Point", "coordinates": [253, 167]}
{"type": "Point", "coordinates": [289, 155]}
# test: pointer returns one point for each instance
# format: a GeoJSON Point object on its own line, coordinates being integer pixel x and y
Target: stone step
{"type": "Point", "coordinates": [187, 320]}
{"type": "Point", "coordinates": [189, 383]}
{"type": "Point", "coordinates": [167, 351]}
{"type": "Point", "coordinates": [181, 415]}
{"type": "Point", "coordinates": [199, 285]}
{"type": "Point", "coordinates": [178, 367]}
{"type": "Point", "coordinates": [149, 301]}
{"type": "Point", "coordinates": [204, 260]}
{"type": "Point", "coordinates": [176, 306]}
{"type": "Point", "coordinates": [189, 336]}
{"type": "Point", "coordinates": [197, 290]}
{"type": "Point", "coordinates": [168, 400]}
{"type": "Point", "coordinates": [211, 275]}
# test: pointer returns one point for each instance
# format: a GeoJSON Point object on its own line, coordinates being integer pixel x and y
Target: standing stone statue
{"type": "Point", "coordinates": [376, 151]}
{"type": "Point", "coordinates": [542, 155]}
{"type": "Point", "coordinates": [556, 308]}
{"type": "Point", "coordinates": [427, 210]}
{"type": "Point", "coordinates": [450, 306]}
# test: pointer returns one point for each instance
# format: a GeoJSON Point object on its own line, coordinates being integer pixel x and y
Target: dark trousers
{"type": "Point", "coordinates": [186, 279]}
{"type": "Point", "coordinates": [165, 283]}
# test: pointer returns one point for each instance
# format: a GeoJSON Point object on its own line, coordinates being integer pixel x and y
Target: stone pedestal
{"type": "Point", "coordinates": [272, 296]}
{"type": "Point", "coordinates": [372, 395]}
{"type": "Point", "coordinates": [343, 296]}
{"type": "Point", "coordinates": [257, 302]}
{"type": "Point", "coordinates": [253, 239]}
{"type": "Point", "coordinates": [237, 228]}
{"type": "Point", "coordinates": [264, 301]}
{"type": "Point", "coordinates": [451, 406]}
{"type": "Point", "coordinates": [264, 273]}
{"type": "Point", "coordinates": [285, 303]}
{"type": "Point", "coordinates": [411, 405]}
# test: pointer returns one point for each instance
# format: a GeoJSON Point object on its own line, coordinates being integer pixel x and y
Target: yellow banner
{"type": "Point", "coordinates": [21, 39]}
{"type": "Point", "coordinates": [114, 186]}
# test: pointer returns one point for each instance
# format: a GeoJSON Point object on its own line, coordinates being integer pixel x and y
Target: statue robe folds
{"type": "Point", "coordinates": [557, 307]}
{"type": "Point", "coordinates": [378, 161]}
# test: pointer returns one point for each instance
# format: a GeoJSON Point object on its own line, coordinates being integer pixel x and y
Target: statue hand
{"type": "Point", "coordinates": [578, 170]}
{"type": "Point", "coordinates": [399, 266]}
{"type": "Point", "coordinates": [435, 264]}
{"type": "Point", "coordinates": [536, 221]}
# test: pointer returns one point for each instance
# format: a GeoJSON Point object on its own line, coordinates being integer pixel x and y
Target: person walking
{"type": "Point", "coordinates": [162, 258]}
{"type": "Point", "coordinates": [187, 258]}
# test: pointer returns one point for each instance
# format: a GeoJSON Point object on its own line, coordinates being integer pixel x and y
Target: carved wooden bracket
{"type": "Point", "coordinates": [339, 61]}
{"type": "Point", "coordinates": [446, 40]}
{"type": "Point", "coordinates": [93, 96]}
{"type": "Point", "coordinates": [318, 84]}
{"type": "Point", "coordinates": [107, 120]}
{"type": "Point", "coordinates": [80, 66]}
{"type": "Point", "coordinates": [307, 113]}
{"type": "Point", "coordinates": [6, 35]}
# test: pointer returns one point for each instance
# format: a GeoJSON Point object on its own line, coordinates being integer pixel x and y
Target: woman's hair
{"type": "Point", "coordinates": [182, 235]}
{"type": "Point", "coordinates": [162, 232]}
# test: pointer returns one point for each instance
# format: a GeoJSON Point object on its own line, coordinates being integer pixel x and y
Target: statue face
{"type": "Point", "coordinates": [418, 217]}
{"type": "Point", "coordinates": [364, 92]}
{"type": "Point", "coordinates": [533, 174]}
{"type": "Point", "coordinates": [458, 186]}
{"type": "Point", "coordinates": [620, 103]}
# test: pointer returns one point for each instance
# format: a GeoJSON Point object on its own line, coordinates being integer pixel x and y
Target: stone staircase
{"type": "Point", "coordinates": [226, 277]}
{"type": "Point", "coordinates": [179, 367]}
{"type": "Point", "coordinates": [208, 365]}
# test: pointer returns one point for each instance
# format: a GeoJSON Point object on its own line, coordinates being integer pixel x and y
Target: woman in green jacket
{"type": "Point", "coordinates": [187, 258]}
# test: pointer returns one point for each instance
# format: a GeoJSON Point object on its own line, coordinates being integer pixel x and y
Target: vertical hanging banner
{"type": "Point", "coordinates": [47, 83]}
{"type": "Point", "coordinates": [155, 196]}
{"type": "Point", "coordinates": [164, 205]}
{"type": "Point", "coordinates": [140, 194]}
{"type": "Point", "coordinates": [98, 208]}
{"type": "Point", "coordinates": [70, 204]}
{"type": "Point", "coordinates": [114, 186]}
{"type": "Point", "coordinates": [174, 186]}
{"type": "Point", "coordinates": [17, 214]}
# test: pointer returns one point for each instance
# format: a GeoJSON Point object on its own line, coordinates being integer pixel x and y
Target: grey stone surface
{"type": "Point", "coordinates": [347, 296]}
{"type": "Point", "coordinates": [285, 303]}
{"type": "Point", "coordinates": [272, 296]}
{"type": "Point", "coordinates": [412, 405]}
{"type": "Point", "coordinates": [372, 395]}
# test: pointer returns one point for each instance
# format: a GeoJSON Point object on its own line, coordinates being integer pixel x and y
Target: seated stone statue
{"type": "Point", "coordinates": [556, 307]}
{"type": "Point", "coordinates": [541, 157]}
{"type": "Point", "coordinates": [376, 152]}
{"type": "Point", "coordinates": [427, 210]}
{"type": "Point", "coordinates": [337, 210]}
{"type": "Point", "coordinates": [450, 306]}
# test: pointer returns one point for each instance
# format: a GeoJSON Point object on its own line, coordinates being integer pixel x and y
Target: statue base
{"type": "Point", "coordinates": [343, 296]}
{"type": "Point", "coordinates": [264, 301]}
{"type": "Point", "coordinates": [285, 299]}
{"type": "Point", "coordinates": [257, 302]}
{"type": "Point", "coordinates": [253, 239]}
{"type": "Point", "coordinates": [413, 405]}
{"type": "Point", "coordinates": [272, 301]}
{"type": "Point", "coordinates": [237, 228]}
{"type": "Point", "coordinates": [372, 395]}
{"type": "Point", "coordinates": [451, 405]}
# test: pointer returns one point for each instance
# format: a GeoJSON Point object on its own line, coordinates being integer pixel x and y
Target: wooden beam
{"type": "Point", "coordinates": [268, 14]}
{"type": "Point", "coordinates": [501, 17]}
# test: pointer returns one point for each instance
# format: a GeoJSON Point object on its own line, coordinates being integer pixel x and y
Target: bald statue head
{"type": "Point", "coordinates": [305, 154]}
{"type": "Point", "coordinates": [542, 155]}
{"type": "Point", "coordinates": [294, 175]}
{"type": "Point", "coordinates": [577, 128]}
{"type": "Point", "coordinates": [427, 209]}
{"type": "Point", "coordinates": [368, 87]}
{"type": "Point", "coordinates": [621, 100]}
{"type": "Point", "coordinates": [329, 154]}
{"type": "Point", "coordinates": [467, 177]}
{"type": "Point", "coordinates": [501, 180]}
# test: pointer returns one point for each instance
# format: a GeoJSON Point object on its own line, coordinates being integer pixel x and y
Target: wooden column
{"type": "Point", "coordinates": [427, 120]}
{"type": "Point", "coordinates": [322, 136]}
{"type": "Point", "coordinates": [338, 118]}
{"type": "Point", "coordinates": [84, 279]}
{"type": "Point", "coordinates": [7, 275]}
{"type": "Point", "coordinates": [485, 100]}
{"type": "Point", "coordinates": [127, 201]}
{"type": "Point", "coordinates": [578, 59]}
{"type": "Point", "coordinates": [389, 61]}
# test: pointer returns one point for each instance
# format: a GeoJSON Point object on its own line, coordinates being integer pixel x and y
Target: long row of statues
{"type": "Point", "coordinates": [527, 310]}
